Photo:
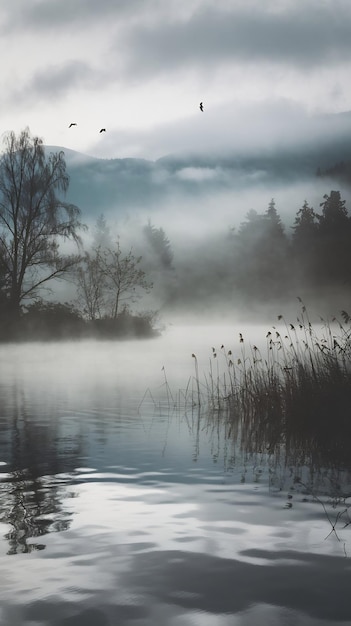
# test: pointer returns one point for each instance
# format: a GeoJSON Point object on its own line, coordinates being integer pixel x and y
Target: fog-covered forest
{"type": "Point", "coordinates": [61, 276]}
{"type": "Point", "coordinates": [264, 260]}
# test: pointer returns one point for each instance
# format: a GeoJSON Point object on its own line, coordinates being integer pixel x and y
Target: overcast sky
{"type": "Point", "coordinates": [264, 70]}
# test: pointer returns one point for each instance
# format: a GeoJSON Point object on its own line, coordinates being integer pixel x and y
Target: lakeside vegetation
{"type": "Point", "coordinates": [294, 395]}
{"type": "Point", "coordinates": [43, 241]}
{"type": "Point", "coordinates": [35, 221]}
{"type": "Point", "coordinates": [54, 321]}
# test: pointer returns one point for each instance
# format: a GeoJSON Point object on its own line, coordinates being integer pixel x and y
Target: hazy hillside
{"type": "Point", "coordinates": [118, 185]}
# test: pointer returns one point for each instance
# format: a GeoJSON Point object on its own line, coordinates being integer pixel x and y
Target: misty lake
{"type": "Point", "coordinates": [122, 503]}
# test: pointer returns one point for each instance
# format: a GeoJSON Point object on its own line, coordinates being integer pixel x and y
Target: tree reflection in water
{"type": "Point", "coordinates": [32, 507]}
{"type": "Point", "coordinates": [31, 496]}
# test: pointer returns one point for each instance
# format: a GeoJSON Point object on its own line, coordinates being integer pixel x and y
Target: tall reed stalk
{"type": "Point", "coordinates": [301, 387]}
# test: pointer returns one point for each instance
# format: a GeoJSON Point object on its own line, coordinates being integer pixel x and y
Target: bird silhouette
{"type": "Point", "coordinates": [201, 106]}
{"type": "Point", "coordinates": [72, 124]}
{"type": "Point", "coordinates": [103, 130]}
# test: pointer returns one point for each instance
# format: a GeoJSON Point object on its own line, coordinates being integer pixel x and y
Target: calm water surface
{"type": "Point", "coordinates": [121, 505]}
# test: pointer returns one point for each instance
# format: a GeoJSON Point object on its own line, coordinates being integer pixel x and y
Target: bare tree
{"type": "Point", "coordinates": [33, 218]}
{"type": "Point", "coordinates": [124, 278]}
{"type": "Point", "coordinates": [91, 285]}
{"type": "Point", "coordinates": [108, 279]}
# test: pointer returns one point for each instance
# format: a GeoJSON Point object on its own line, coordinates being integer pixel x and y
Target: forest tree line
{"type": "Point", "coordinates": [264, 260]}
{"type": "Point", "coordinates": [41, 242]}
{"type": "Point", "coordinates": [314, 252]}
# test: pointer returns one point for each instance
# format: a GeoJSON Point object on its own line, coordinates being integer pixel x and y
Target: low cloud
{"type": "Point", "coordinates": [304, 38]}
{"type": "Point", "coordinates": [231, 129]}
{"type": "Point", "coordinates": [199, 174]}
{"type": "Point", "coordinates": [45, 14]}
{"type": "Point", "coordinates": [54, 82]}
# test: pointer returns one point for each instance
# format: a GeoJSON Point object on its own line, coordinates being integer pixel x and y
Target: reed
{"type": "Point", "coordinates": [297, 390]}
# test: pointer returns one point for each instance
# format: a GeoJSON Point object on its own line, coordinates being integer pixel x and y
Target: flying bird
{"type": "Point", "coordinates": [103, 130]}
{"type": "Point", "coordinates": [201, 106]}
{"type": "Point", "coordinates": [72, 124]}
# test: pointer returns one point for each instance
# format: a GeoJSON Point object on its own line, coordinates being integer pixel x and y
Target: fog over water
{"type": "Point", "coordinates": [129, 366]}
{"type": "Point", "coordinates": [120, 502]}
{"type": "Point", "coordinates": [200, 476]}
{"type": "Point", "coordinates": [129, 369]}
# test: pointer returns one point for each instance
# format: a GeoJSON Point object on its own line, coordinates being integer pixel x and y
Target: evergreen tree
{"type": "Point", "coordinates": [305, 246]}
{"type": "Point", "coordinates": [160, 245]}
{"type": "Point", "coordinates": [262, 253]}
{"type": "Point", "coordinates": [334, 216]}
{"type": "Point", "coordinates": [102, 234]}
{"type": "Point", "coordinates": [305, 227]}
{"type": "Point", "coordinates": [334, 239]}
{"type": "Point", "coordinates": [275, 226]}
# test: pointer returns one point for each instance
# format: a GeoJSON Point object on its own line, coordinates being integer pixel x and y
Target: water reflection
{"type": "Point", "coordinates": [115, 510]}
{"type": "Point", "coordinates": [35, 451]}
{"type": "Point", "coordinates": [300, 463]}
{"type": "Point", "coordinates": [219, 586]}
{"type": "Point", "coordinates": [31, 507]}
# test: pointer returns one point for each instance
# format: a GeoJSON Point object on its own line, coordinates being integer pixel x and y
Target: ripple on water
{"type": "Point", "coordinates": [113, 512]}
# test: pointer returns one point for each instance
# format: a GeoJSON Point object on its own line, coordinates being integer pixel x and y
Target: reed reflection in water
{"type": "Point", "coordinates": [124, 505]}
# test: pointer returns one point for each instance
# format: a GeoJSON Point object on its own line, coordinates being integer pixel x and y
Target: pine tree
{"type": "Point", "coordinates": [160, 244]}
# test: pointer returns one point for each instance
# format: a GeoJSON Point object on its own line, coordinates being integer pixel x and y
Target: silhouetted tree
{"type": "Point", "coordinates": [160, 244]}
{"type": "Point", "coordinates": [102, 234]}
{"type": "Point", "coordinates": [275, 226]}
{"type": "Point", "coordinates": [107, 279]}
{"type": "Point", "coordinates": [321, 242]}
{"type": "Point", "coordinates": [305, 226]}
{"type": "Point", "coordinates": [275, 252]}
{"type": "Point", "coordinates": [90, 278]}
{"type": "Point", "coordinates": [334, 216]}
{"type": "Point", "coordinates": [252, 229]}
{"type": "Point", "coordinates": [91, 285]}
{"type": "Point", "coordinates": [123, 276]}
{"type": "Point", "coordinates": [305, 245]}
{"type": "Point", "coordinates": [33, 218]}
{"type": "Point", "coordinates": [334, 238]}
{"type": "Point", "coordinates": [262, 249]}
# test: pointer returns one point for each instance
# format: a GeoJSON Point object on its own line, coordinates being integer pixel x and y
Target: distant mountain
{"type": "Point", "coordinates": [119, 185]}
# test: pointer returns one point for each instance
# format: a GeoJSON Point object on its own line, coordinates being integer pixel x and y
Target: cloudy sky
{"type": "Point", "coordinates": [266, 71]}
